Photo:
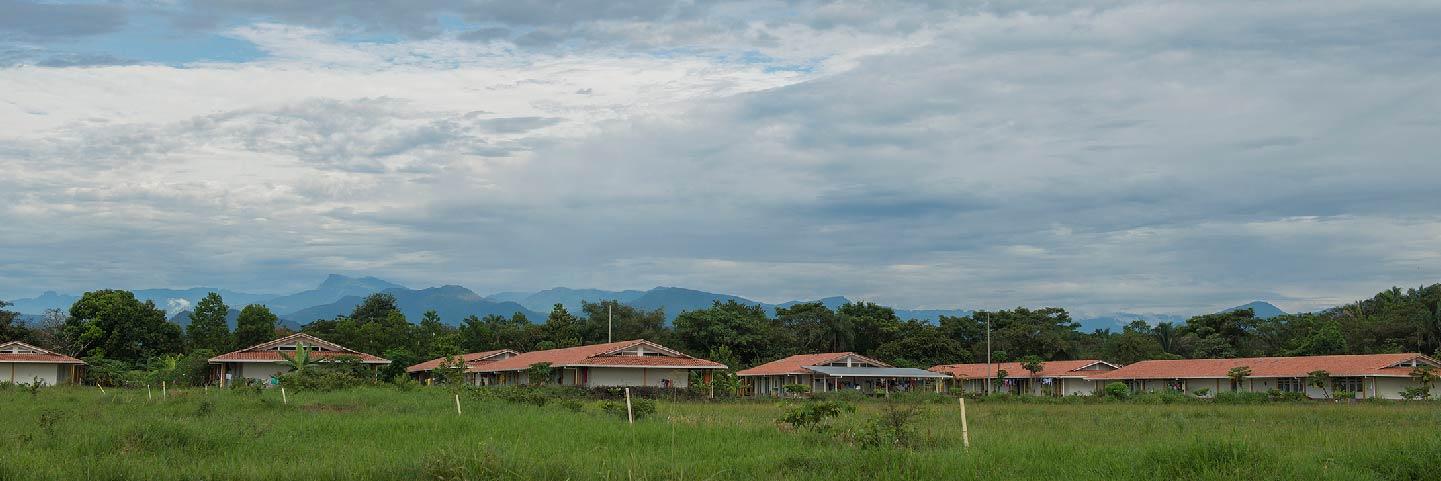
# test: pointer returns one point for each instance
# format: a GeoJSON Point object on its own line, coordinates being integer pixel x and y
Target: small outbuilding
{"type": "Point", "coordinates": [21, 363]}
{"type": "Point", "coordinates": [834, 371]}
{"type": "Point", "coordinates": [263, 361]}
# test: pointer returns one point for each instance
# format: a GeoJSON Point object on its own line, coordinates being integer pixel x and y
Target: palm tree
{"type": "Point", "coordinates": [300, 360]}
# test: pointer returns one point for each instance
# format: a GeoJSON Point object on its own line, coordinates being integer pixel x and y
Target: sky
{"type": "Point", "coordinates": [1155, 157]}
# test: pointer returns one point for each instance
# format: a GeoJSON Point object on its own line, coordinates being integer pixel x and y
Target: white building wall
{"type": "Point", "coordinates": [1078, 387]}
{"type": "Point", "coordinates": [26, 372]}
{"type": "Point", "coordinates": [632, 376]}
{"type": "Point", "coordinates": [261, 370]}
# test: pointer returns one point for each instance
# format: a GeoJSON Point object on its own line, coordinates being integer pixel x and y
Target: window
{"type": "Point", "coordinates": [1290, 384]}
{"type": "Point", "coordinates": [1352, 384]}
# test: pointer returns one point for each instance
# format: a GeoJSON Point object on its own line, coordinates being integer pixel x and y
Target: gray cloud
{"type": "Point", "coordinates": [1153, 157]}
{"type": "Point", "coordinates": [31, 20]}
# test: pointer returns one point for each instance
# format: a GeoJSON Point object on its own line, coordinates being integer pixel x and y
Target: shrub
{"type": "Point", "coordinates": [1118, 390]}
{"type": "Point", "coordinates": [1344, 395]}
{"type": "Point", "coordinates": [572, 405]}
{"type": "Point", "coordinates": [813, 414]}
{"type": "Point", "coordinates": [641, 408]}
{"type": "Point", "coordinates": [1416, 392]}
{"type": "Point", "coordinates": [1202, 392]}
{"type": "Point", "coordinates": [892, 427]}
{"type": "Point", "coordinates": [850, 395]}
{"type": "Point", "coordinates": [796, 389]}
{"type": "Point", "coordinates": [1241, 397]}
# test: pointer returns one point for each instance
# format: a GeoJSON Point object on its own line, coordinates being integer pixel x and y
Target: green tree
{"type": "Point", "coordinates": [255, 325]}
{"type": "Point", "coordinates": [1228, 333]}
{"type": "Point", "coordinates": [1325, 340]}
{"type": "Point", "coordinates": [1136, 342]}
{"type": "Point", "coordinates": [1238, 374]}
{"type": "Point", "coordinates": [629, 322]}
{"type": "Point", "coordinates": [739, 328]}
{"type": "Point", "coordinates": [538, 374]}
{"type": "Point", "coordinates": [434, 338]}
{"type": "Point", "coordinates": [1034, 365]}
{"type": "Point", "coordinates": [816, 328]}
{"type": "Point", "coordinates": [208, 329]}
{"type": "Point", "coordinates": [476, 335]}
{"type": "Point", "coordinates": [874, 324]}
{"type": "Point", "coordinates": [10, 328]}
{"type": "Point", "coordinates": [561, 328]}
{"type": "Point", "coordinates": [115, 324]}
{"type": "Point", "coordinates": [1425, 376]}
{"type": "Point", "coordinates": [1320, 379]}
{"type": "Point", "coordinates": [920, 344]}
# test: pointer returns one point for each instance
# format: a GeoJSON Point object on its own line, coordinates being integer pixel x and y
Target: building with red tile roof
{"type": "Point", "coordinates": [625, 363]}
{"type": "Point", "coordinates": [1056, 378]}
{"type": "Point", "coordinates": [1367, 375]}
{"type": "Point", "coordinates": [833, 371]}
{"type": "Point", "coordinates": [21, 363]}
{"type": "Point", "coordinates": [263, 361]}
{"type": "Point", "coordinates": [471, 361]}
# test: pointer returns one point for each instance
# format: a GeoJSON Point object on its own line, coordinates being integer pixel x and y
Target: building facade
{"type": "Point", "coordinates": [1056, 378]}
{"type": "Point", "coordinates": [625, 363]}
{"type": "Point", "coordinates": [21, 363]}
{"type": "Point", "coordinates": [262, 362]}
{"type": "Point", "coordinates": [1366, 376]}
{"type": "Point", "coordinates": [833, 371]}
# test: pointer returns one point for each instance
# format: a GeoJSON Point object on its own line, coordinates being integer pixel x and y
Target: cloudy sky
{"type": "Point", "coordinates": [1107, 155]}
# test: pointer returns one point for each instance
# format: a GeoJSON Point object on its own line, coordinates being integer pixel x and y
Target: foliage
{"type": "Point", "coordinates": [255, 325]}
{"type": "Point", "coordinates": [1238, 374]}
{"type": "Point", "coordinates": [118, 326]}
{"type": "Point", "coordinates": [892, 427]}
{"type": "Point", "coordinates": [1319, 379]}
{"type": "Point", "coordinates": [208, 329]}
{"type": "Point", "coordinates": [1416, 392]}
{"type": "Point", "coordinates": [813, 414]}
{"type": "Point", "coordinates": [1117, 390]}
{"type": "Point", "coordinates": [298, 362]}
{"type": "Point", "coordinates": [743, 330]}
{"type": "Point", "coordinates": [1202, 392]}
{"type": "Point", "coordinates": [796, 389]}
{"type": "Point", "coordinates": [539, 374]}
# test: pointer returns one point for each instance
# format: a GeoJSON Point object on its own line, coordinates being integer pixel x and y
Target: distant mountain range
{"type": "Point", "coordinates": [338, 295]}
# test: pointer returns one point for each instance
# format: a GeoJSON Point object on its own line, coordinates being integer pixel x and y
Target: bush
{"type": "Point", "coordinates": [1344, 395]}
{"type": "Point", "coordinates": [796, 389]}
{"type": "Point", "coordinates": [1289, 396]}
{"type": "Point", "coordinates": [813, 414]}
{"type": "Point", "coordinates": [1416, 392]}
{"type": "Point", "coordinates": [641, 408]}
{"type": "Point", "coordinates": [1118, 390]}
{"type": "Point", "coordinates": [850, 395]}
{"type": "Point", "coordinates": [1202, 392]}
{"type": "Point", "coordinates": [892, 427]}
{"type": "Point", "coordinates": [572, 405]}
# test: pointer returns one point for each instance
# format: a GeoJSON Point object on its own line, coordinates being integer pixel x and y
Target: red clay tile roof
{"type": "Point", "coordinates": [797, 364]}
{"type": "Point", "coordinates": [470, 359]}
{"type": "Point", "coordinates": [1340, 365]}
{"type": "Point", "coordinates": [37, 356]}
{"type": "Point", "coordinates": [264, 351]}
{"type": "Point", "coordinates": [1015, 370]}
{"type": "Point", "coordinates": [599, 355]}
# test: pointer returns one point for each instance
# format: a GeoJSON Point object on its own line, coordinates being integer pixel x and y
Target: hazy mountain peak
{"type": "Point", "coordinates": [1263, 309]}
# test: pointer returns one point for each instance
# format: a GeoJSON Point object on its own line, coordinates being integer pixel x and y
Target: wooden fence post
{"type": "Point", "coordinates": [965, 429]}
{"type": "Point", "coordinates": [164, 391]}
{"type": "Point", "coordinates": [457, 404]}
{"type": "Point", "coordinates": [148, 396]}
{"type": "Point", "coordinates": [629, 414]}
{"type": "Point", "coordinates": [283, 398]}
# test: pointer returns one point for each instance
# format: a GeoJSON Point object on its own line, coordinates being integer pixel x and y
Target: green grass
{"type": "Point", "coordinates": [80, 433]}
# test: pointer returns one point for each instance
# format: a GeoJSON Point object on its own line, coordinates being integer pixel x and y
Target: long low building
{"type": "Point", "coordinates": [21, 363]}
{"type": "Point", "coordinates": [261, 362]}
{"type": "Point", "coordinates": [1382, 376]}
{"type": "Point", "coordinates": [471, 361]}
{"type": "Point", "coordinates": [625, 363]}
{"type": "Point", "coordinates": [1056, 378]}
{"type": "Point", "coordinates": [834, 371]}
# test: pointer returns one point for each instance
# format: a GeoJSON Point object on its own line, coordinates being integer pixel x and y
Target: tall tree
{"type": "Point", "coordinates": [116, 325]}
{"type": "Point", "coordinates": [434, 338]}
{"type": "Point", "coordinates": [10, 327]}
{"type": "Point", "coordinates": [813, 327]}
{"type": "Point", "coordinates": [742, 329]}
{"type": "Point", "coordinates": [629, 322]}
{"type": "Point", "coordinates": [255, 325]}
{"type": "Point", "coordinates": [561, 328]}
{"type": "Point", "coordinates": [208, 329]}
{"type": "Point", "coordinates": [874, 324]}
{"type": "Point", "coordinates": [920, 344]}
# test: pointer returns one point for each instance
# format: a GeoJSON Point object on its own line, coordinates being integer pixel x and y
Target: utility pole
{"type": "Point", "coordinates": [989, 373]}
{"type": "Point", "coordinates": [609, 323]}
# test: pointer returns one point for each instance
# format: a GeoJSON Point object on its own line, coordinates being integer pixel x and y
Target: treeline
{"type": "Point", "coordinates": [115, 332]}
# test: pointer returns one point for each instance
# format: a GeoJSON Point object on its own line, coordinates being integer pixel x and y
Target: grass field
{"type": "Point", "coordinates": [380, 434]}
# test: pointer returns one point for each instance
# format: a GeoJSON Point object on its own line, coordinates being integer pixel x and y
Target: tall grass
{"type": "Point", "coordinates": [380, 434]}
